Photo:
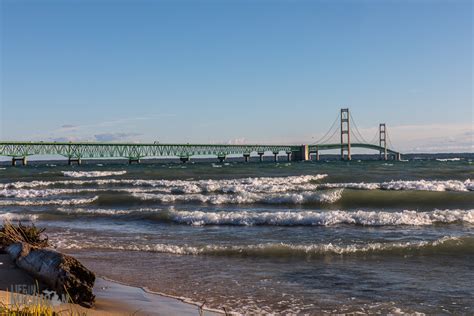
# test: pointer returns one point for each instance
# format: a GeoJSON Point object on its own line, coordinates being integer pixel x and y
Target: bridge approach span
{"type": "Point", "coordinates": [134, 152]}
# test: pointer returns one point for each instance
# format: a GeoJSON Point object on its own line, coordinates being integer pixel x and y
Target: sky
{"type": "Point", "coordinates": [237, 71]}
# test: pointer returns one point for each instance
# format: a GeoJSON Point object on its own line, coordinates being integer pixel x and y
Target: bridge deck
{"type": "Point", "coordinates": [314, 148]}
{"type": "Point", "coordinates": [140, 150]}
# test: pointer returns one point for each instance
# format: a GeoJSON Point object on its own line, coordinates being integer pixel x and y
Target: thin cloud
{"type": "Point", "coordinates": [67, 139]}
{"type": "Point", "coordinates": [237, 141]}
{"type": "Point", "coordinates": [109, 123]}
{"type": "Point", "coordinates": [113, 137]}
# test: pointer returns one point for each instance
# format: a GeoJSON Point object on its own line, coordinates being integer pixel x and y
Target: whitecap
{"type": "Point", "coordinates": [92, 174]}
{"type": "Point", "coordinates": [48, 202]}
{"type": "Point", "coordinates": [327, 218]}
{"type": "Point", "coordinates": [416, 185]}
{"type": "Point", "coordinates": [448, 159]}
{"type": "Point", "coordinates": [261, 184]}
{"type": "Point", "coordinates": [17, 217]}
{"type": "Point", "coordinates": [243, 197]}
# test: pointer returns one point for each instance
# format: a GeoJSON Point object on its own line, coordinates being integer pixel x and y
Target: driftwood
{"type": "Point", "coordinates": [62, 273]}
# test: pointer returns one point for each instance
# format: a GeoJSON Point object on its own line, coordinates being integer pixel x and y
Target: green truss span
{"type": "Point", "coordinates": [138, 151]}
{"type": "Point", "coordinates": [135, 151]}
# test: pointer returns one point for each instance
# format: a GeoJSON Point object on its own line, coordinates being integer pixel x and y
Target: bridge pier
{"type": "Point", "coordinates": [347, 157]}
{"type": "Point", "coordinates": [17, 159]}
{"type": "Point", "coordinates": [317, 155]}
{"type": "Point", "coordinates": [71, 160]}
{"type": "Point", "coordinates": [246, 157]}
{"type": "Point", "coordinates": [398, 157]}
{"type": "Point", "coordinates": [260, 156]}
{"type": "Point", "coordinates": [184, 159]}
{"type": "Point", "coordinates": [301, 155]}
{"type": "Point", "coordinates": [288, 155]}
{"type": "Point", "coordinates": [275, 156]}
{"type": "Point", "coordinates": [132, 160]}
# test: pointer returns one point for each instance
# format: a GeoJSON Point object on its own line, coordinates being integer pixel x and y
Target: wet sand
{"type": "Point", "coordinates": [111, 298]}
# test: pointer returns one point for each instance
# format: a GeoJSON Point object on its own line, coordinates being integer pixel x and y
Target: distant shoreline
{"type": "Point", "coordinates": [254, 159]}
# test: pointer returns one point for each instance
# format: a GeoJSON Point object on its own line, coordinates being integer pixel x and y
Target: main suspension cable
{"type": "Point", "coordinates": [375, 138]}
{"type": "Point", "coordinates": [357, 129]}
{"type": "Point", "coordinates": [320, 141]}
{"type": "Point", "coordinates": [390, 143]}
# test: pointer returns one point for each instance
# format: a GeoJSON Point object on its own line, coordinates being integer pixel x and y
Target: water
{"type": "Point", "coordinates": [363, 236]}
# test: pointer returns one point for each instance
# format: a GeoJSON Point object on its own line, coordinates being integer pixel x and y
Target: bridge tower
{"type": "Point", "coordinates": [345, 130]}
{"type": "Point", "coordinates": [383, 140]}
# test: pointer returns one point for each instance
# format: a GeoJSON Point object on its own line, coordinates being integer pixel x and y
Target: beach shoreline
{"type": "Point", "coordinates": [112, 297]}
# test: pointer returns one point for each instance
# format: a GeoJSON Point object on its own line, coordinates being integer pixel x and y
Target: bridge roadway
{"type": "Point", "coordinates": [315, 148]}
{"type": "Point", "coordinates": [134, 152]}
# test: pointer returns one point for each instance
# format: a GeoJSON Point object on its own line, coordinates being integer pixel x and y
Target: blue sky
{"type": "Point", "coordinates": [236, 71]}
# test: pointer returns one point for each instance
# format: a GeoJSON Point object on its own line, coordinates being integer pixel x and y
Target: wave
{"type": "Point", "coordinates": [17, 217]}
{"type": "Point", "coordinates": [417, 185]}
{"type": "Point", "coordinates": [48, 202]}
{"type": "Point", "coordinates": [98, 211]}
{"type": "Point", "coordinates": [263, 184]}
{"type": "Point", "coordinates": [311, 218]}
{"type": "Point", "coordinates": [255, 185]}
{"type": "Point", "coordinates": [92, 174]}
{"type": "Point", "coordinates": [32, 193]}
{"type": "Point", "coordinates": [286, 218]}
{"type": "Point", "coordinates": [448, 159]}
{"type": "Point", "coordinates": [38, 193]}
{"type": "Point", "coordinates": [447, 243]}
{"type": "Point", "coordinates": [327, 197]}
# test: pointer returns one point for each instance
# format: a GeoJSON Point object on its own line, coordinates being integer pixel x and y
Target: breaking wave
{"type": "Point", "coordinates": [32, 193]}
{"type": "Point", "coordinates": [448, 159]}
{"type": "Point", "coordinates": [39, 193]}
{"type": "Point", "coordinates": [17, 217]}
{"type": "Point", "coordinates": [92, 174]}
{"type": "Point", "coordinates": [263, 184]}
{"type": "Point", "coordinates": [247, 197]}
{"type": "Point", "coordinates": [447, 243]}
{"type": "Point", "coordinates": [311, 218]}
{"type": "Point", "coordinates": [289, 218]}
{"type": "Point", "coordinates": [418, 185]}
{"type": "Point", "coordinates": [48, 202]}
{"type": "Point", "coordinates": [254, 185]}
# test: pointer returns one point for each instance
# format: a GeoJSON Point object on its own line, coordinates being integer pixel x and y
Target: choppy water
{"type": "Point", "coordinates": [366, 236]}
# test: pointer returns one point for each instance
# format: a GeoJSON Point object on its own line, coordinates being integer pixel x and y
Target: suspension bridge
{"type": "Point", "coordinates": [344, 129]}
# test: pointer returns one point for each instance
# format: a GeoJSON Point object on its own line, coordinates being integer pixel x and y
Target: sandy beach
{"type": "Point", "coordinates": [111, 298]}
